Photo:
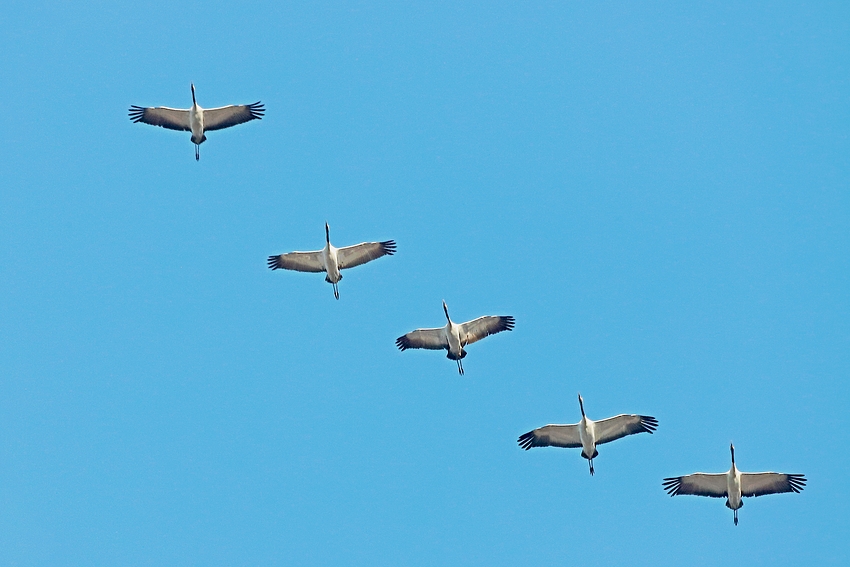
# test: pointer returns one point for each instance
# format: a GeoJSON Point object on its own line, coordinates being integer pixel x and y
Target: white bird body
{"type": "Point", "coordinates": [197, 120]}
{"type": "Point", "coordinates": [332, 260]}
{"type": "Point", "coordinates": [734, 485]}
{"type": "Point", "coordinates": [454, 337]}
{"type": "Point", "coordinates": [734, 499]}
{"type": "Point", "coordinates": [452, 332]}
{"type": "Point", "coordinates": [587, 434]}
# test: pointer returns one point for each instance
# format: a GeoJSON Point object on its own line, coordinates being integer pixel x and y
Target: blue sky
{"type": "Point", "coordinates": [657, 192]}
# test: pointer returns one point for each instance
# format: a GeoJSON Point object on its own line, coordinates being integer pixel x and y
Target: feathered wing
{"type": "Point", "coordinates": [759, 484]}
{"type": "Point", "coordinates": [477, 329]}
{"type": "Point", "coordinates": [616, 427]}
{"type": "Point", "coordinates": [551, 436]}
{"type": "Point", "coordinates": [226, 116]}
{"type": "Point", "coordinates": [699, 484]}
{"type": "Point", "coordinates": [171, 118]}
{"type": "Point", "coordinates": [433, 339]}
{"type": "Point", "coordinates": [351, 256]}
{"type": "Point", "coordinates": [298, 261]}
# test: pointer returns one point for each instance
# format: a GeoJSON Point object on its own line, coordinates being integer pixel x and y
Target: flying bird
{"type": "Point", "coordinates": [331, 260]}
{"type": "Point", "coordinates": [454, 337]}
{"type": "Point", "coordinates": [196, 119]}
{"type": "Point", "coordinates": [587, 434]}
{"type": "Point", "coordinates": [734, 485]}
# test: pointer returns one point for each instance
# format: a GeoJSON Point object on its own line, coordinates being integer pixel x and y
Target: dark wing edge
{"type": "Point", "coordinates": [689, 484]}
{"type": "Point", "coordinates": [429, 339]}
{"type": "Point", "coordinates": [623, 425]}
{"type": "Point", "coordinates": [296, 261]}
{"type": "Point", "coordinates": [527, 440]}
{"type": "Point", "coordinates": [403, 343]}
{"type": "Point", "coordinates": [365, 252]}
{"type": "Point", "coordinates": [257, 110]}
{"type": "Point", "coordinates": [672, 485]}
{"type": "Point", "coordinates": [791, 483]}
{"type": "Point", "coordinates": [648, 424]}
{"type": "Point", "coordinates": [274, 262]}
{"type": "Point", "coordinates": [136, 113]}
{"type": "Point", "coordinates": [506, 323]}
{"type": "Point", "coordinates": [164, 117]}
{"type": "Point", "coordinates": [227, 116]}
{"type": "Point", "coordinates": [485, 326]}
{"type": "Point", "coordinates": [796, 482]}
{"type": "Point", "coordinates": [552, 435]}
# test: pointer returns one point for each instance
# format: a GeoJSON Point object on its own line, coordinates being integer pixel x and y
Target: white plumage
{"type": "Point", "coordinates": [734, 485]}
{"type": "Point", "coordinates": [196, 119]}
{"type": "Point", "coordinates": [331, 259]}
{"type": "Point", "coordinates": [587, 433]}
{"type": "Point", "coordinates": [454, 337]}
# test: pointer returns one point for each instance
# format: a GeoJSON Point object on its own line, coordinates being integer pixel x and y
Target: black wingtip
{"type": "Point", "coordinates": [389, 247]}
{"type": "Point", "coordinates": [649, 423]}
{"type": "Point", "coordinates": [797, 482]}
{"type": "Point", "coordinates": [136, 113]}
{"type": "Point", "coordinates": [506, 323]}
{"type": "Point", "coordinates": [526, 440]}
{"type": "Point", "coordinates": [257, 110]}
{"type": "Point", "coordinates": [672, 485]}
{"type": "Point", "coordinates": [273, 262]}
{"type": "Point", "coordinates": [402, 343]}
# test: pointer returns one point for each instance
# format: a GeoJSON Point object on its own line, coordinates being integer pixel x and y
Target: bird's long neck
{"type": "Point", "coordinates": [732, 448]}
{"type": "Point", "coordinates": [581, 406]}
{"type": "Point", "coordinates": [327, 234]}
{"type": "Point", "coordinates": [193, 95]}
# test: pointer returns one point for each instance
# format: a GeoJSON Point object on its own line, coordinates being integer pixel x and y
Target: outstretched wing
{"type": "Point", "coordinates": [433, 339]}
{"type": "Point", "coordinates": [171, 118]}
{"type": "Point", "coordinates": [298, 261]}
{"type": "Point", "coordinates": [551, 436]}
{"type": "Point", "coordinates": [351, 256]}
{"type": "Point", "coordinates": [477, 329]}
{"type": "Point", "coordinates": [226, 116]}
{"type": "Point", "coordinates": [699, 484]}
{"type": "Point", "coordinates": [622, 425]}
{"type": "Point", "coordinates": [759, 484]}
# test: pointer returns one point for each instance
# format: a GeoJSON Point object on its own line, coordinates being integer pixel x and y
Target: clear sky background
{"type": "Point", "coordinates": [657, 191]}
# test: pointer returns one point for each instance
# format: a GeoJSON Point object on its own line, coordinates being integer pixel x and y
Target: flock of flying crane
{"type": "Point", "coordinates": [453, 338]}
